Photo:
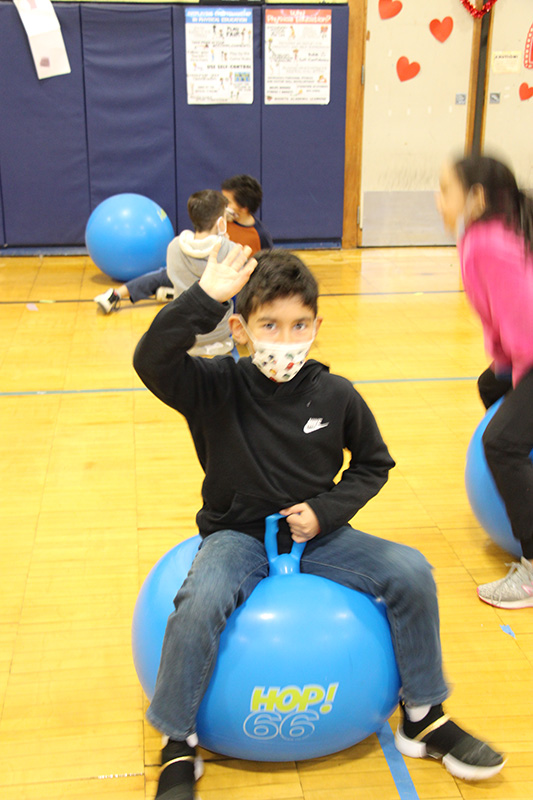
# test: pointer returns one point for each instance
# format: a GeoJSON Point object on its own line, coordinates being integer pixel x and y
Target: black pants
{"type": "Point", "coordinates": [492, 388]}
{"type": "Point", "coordinates": [508, 441]}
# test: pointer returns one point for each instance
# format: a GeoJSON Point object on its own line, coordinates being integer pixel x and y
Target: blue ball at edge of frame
{"type": "Point", "coordinates": [127, 235]}
{"type": "Point", "coordinates": [305, 667]}
{"type": "Point", "coordinates": [483, 496]}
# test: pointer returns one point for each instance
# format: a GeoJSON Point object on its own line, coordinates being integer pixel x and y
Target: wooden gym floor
{"type": "Point", "coordinates": [99, 479]}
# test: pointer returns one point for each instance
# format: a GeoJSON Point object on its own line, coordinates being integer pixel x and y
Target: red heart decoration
{"type": "Point", "coordinates": [441, 30]}
{"type": "Point", "coordinates": [407, 70]}
{"type": "Point", "coordinates": [525, 91]}
{"type": "Point", "coordinates": [389, 8]}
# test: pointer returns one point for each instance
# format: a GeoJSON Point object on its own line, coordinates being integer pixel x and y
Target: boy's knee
{"type": "Point", "coordinates": [199, 604]}
{"type": "Point", "coordinates": [415, 571]}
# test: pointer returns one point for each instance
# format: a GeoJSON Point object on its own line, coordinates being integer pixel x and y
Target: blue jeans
{"type": "Point", "coordinates": [230, 564]}
{"type": "Point", "coordinates": [145, 286]}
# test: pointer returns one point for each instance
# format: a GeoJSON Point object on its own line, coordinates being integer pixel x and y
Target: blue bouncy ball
{"type": "Point", "coordinates": [483, 496]}
{"type": "Point", "coordinates": [305, 667]}
{"type": "Point", "coordinates": [127, 235]}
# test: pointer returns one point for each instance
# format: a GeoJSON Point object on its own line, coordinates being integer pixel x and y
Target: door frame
{"type": "Point", "coordinates": [352, 231]}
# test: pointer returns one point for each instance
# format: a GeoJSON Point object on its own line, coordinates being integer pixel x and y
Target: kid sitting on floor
{"type": "Point", "coordinates": [187, 256]}
{"type": "Point", "coordinates": [244, 195]}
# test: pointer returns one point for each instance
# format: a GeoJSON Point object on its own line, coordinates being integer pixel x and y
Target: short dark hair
{"type": "Point", "coordinates": [503, 198]}
{"type": "Point", "coordinates": [278, 274]}
{"type": "Point", "coordinates": [205, 207]}
{"type": "Point", "coordinates": [246, 191]}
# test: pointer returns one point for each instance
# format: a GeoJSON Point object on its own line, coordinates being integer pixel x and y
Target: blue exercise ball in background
{"type": "Point", "coordinates": [305, 667]}
{"type": "Point", "coordinates": [483, 496]}
{"type": "Point", "coordinates": [127, 235]}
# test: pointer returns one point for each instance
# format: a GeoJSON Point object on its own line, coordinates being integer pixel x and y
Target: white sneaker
{"type": "Point", "coordinates": [108, 301]}
{"type": "Point", "coordinates": [213, 349]}
{"type": "Point", "coordinates": [513, 591]}
{"type": "Point", "coordinates": [165, 294]}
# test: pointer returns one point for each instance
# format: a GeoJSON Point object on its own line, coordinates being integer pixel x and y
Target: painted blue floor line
{"type": "Point", "coordinates": [392, 293]}
{"type": "Point", "coordinates": [417, 380]}
{"type": "Point", "coordinates": [398, 770]}
{"type": "Point", "coordinates": [143, 389]}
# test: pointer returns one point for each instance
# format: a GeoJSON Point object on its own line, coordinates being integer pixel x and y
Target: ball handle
{"type": "Point", "coordinates": [286, 563]}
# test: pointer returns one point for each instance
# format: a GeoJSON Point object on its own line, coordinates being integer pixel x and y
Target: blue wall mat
{"type": "Point", "coordinates": [127, 55]}
{"type": "Point", "coordinates": [43, 155]}
{"type": "Point", "coordinates": [214, 142]}
{"type": "Point", "coordinates": [303, 156]}
{"type": "Point", "coordinates": [2, 234]}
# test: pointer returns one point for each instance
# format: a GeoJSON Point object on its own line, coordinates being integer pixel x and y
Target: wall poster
{"type": "Point", "coordinates": [297, 56]}
{"type": "Point", "coordinates": [219, 53]}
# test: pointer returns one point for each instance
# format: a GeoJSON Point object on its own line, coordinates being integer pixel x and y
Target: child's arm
{"type": "Point", "coordinates": [366, 474]}
{"type": "Point", "coordinates": [161, 359]}
{"type": "Point", "coordinates": [498, 278]}
{"type": "Point", "coordinates": [265, 238]}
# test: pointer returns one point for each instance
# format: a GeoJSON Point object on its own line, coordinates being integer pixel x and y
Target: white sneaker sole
{"type": "Point", "coordinates": [510, 604]}
{"type": "Point", "coordinates": [198, 768]}
{"type": "Point", "coordinates": [413, 749]}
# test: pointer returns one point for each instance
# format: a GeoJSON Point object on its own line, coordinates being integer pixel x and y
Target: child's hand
{"type": "Point", "coordinates": [223, 280]}
{"type": "Point", "coordinates": [302, 521]}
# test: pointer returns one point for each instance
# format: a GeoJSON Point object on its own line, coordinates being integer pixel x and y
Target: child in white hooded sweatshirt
{"type": "Point", "coordinates": [187, 256]}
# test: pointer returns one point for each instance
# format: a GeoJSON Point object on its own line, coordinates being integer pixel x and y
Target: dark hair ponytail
{"type": "Point", "coordinates": [526, 217]}
{"type": "Point", "coordinates": [503, 198]}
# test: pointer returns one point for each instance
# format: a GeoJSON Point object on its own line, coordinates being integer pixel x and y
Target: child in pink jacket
{"type": "Point", "coordinates": [480, 201]}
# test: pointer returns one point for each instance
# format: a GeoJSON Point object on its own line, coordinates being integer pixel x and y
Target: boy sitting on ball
{"type": "Point", "coordinates": [270, 433]}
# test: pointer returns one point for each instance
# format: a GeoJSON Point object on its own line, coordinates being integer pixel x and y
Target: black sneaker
{"type": "Point", "coordinates": [438, 737]}
{"type": "Point", "coordinates": [180, 770]}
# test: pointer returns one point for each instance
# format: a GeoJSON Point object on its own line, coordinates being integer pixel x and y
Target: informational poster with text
{"type": "Point", "coordinates": [297, 56]}
{"type": "Point", "coordinates": [220, 55]}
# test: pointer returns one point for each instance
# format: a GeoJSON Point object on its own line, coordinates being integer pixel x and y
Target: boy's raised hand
{"type": "Point", "coordinates": [222, 280]}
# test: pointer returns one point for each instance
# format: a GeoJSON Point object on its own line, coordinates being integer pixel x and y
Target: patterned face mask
{"type": "Point", "coordinates": [279, 361]}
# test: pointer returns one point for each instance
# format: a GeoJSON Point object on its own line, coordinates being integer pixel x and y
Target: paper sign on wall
{"type": "Point", "coordinates": [506, 61]}
{"type": "Point", "coordinates": [44, 36]}
{"type": "Point", "coordinates": [219, 53]}
{"type": "Point", "coordinates": [297, 56]}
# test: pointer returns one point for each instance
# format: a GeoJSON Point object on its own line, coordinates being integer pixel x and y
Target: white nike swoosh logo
{"type": "Point", "coordinates": [314, 424]}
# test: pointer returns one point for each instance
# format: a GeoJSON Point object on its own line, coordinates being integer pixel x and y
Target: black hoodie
{"type": "Point", "coordinates": [263, 446]}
